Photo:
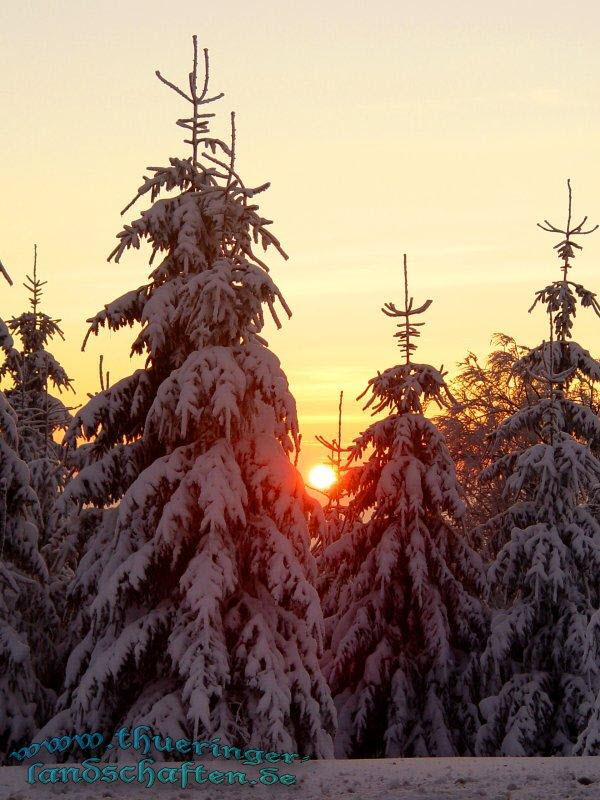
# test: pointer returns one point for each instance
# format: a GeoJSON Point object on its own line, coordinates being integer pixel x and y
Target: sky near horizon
{"type": "Point", "coordinates": [446, 131]}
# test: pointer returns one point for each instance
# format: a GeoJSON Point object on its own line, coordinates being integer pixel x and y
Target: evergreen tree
{"type": "Point", "coordinates": [206, 619]}
{"type": "Point", "coordinates": [401, 662]}
{"type": "Point", "coordinates": [32, 369]}
{"type": "Point", "coordinates": [539, 662]}
{"type": "Point", "coordinates": [27, 618]}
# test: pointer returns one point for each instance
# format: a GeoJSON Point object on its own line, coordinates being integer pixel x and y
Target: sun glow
{"type": "Point", "coordinates": [321, 477]}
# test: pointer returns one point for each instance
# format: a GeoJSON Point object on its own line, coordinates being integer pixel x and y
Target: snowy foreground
{"type": "Point", "coordinates": [389, 779]}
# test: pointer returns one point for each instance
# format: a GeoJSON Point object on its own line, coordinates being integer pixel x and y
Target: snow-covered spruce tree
{"type": "Point", "coordinates": [405, 638]}
{"type": "Point", "coordinates": [540, 663]}
{"type": "Point", "coordinates": [206, 621]}
{"type": "Point", "coordinates": [31, 371]}
{"type": "Point", "coordinates": [27, 619]}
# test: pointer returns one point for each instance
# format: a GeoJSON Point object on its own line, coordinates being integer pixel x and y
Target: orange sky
{"type": "Point", "coordinates": [445, 131]}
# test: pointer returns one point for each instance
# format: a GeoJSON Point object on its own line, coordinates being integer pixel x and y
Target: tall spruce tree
{"type": "Point", "coordinates": [32, 371]}
{"type": "Point", "coordinates": [206, 620]}
{"type": "Point", "coordinates": [401, 660]}
{"type": "Point", "coordinates": [28, 622]}
{"type": "Point", "coordinates": [540, 663]}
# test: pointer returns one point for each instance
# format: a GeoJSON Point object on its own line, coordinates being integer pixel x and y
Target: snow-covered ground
{"type": "Point", "coordinates": [388, 779]}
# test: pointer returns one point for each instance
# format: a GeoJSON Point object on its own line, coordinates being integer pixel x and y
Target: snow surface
{"type": "Point", "coordinates": [388, 779]}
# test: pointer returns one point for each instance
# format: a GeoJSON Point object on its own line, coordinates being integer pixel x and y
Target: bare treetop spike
{"type": "Point", "coordinates": [407, 329]}
{"type": "Point", "coordinates": [566, 247]}
{"type": "Point", "coordinates": [34, 285]}
{"type": "Point", "coordinates": [197, 123]}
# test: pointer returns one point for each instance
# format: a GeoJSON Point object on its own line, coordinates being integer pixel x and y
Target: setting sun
{"type": "Point", "coordinates": [321, 477]}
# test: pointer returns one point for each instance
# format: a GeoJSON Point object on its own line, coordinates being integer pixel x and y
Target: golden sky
{"type": "Point", "coordinates": [443, 130]}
